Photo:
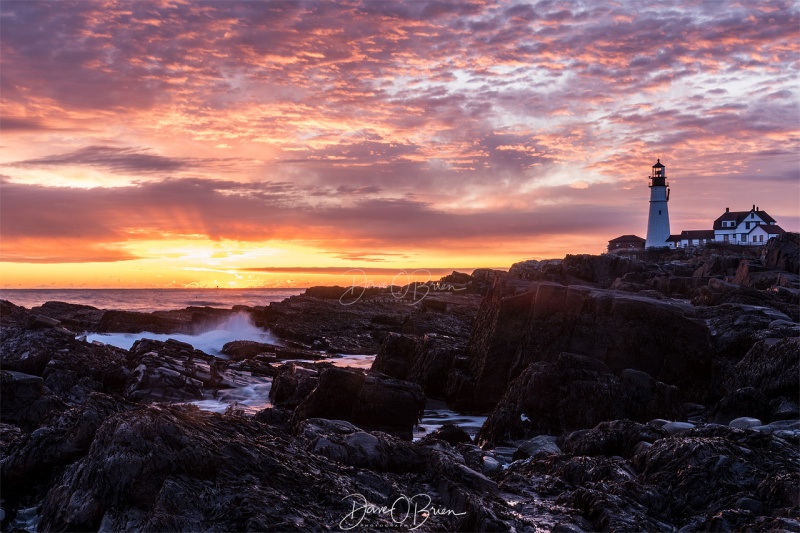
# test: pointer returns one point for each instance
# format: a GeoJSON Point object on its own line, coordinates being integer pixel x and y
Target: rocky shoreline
{"type": "Point", "coordinates": [649, 393]}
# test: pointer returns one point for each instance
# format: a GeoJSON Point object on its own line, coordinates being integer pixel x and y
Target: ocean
{"type": "Point", "coordinates": [148, 300]}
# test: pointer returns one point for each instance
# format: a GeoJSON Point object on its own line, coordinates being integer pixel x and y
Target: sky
{"type": "Point", "coordinates": [267, 143]}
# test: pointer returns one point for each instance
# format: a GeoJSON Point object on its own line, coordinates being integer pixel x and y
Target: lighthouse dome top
{"type": "Point", "coordinates": [658, 164]}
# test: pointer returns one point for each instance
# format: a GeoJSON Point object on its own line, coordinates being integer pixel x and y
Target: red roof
{"type": "Point", "coordinates": [626, 238]}
{"type": "Point", "coordinates": [697, 234]}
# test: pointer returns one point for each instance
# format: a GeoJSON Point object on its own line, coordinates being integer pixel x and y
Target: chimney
{"type": "Point", "coordinates": [754, 207]}
{"type": "Point", "coordinates": [727, 209]}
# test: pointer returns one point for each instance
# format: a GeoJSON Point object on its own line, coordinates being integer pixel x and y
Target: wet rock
{"type": "Point", "coordinates": [274, 416]}
{"type": "Point", "coordinates": [449, 433]}
{"type": "Point", "coordinates": [149, 461]}
{"type": "Point", "coordinates": [491, 466]}
{"type": "Point", "coordinates": [238, 350]}
{"type": "Point", "coordinates": [372, 401]}
{"type": "Point", "coordinates": [242, 350]}
{"type": "Point", "coordinates": [539, 445]}
{"type": "Point", "coordinates": [786, 410]}
{"type": "Point", "coordinates": [292, 384]}
{"type": "Point", "coordinates": [170, 371]}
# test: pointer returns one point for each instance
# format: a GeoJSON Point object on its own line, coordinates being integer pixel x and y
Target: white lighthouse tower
{"type": "Point", "coordinates": [658, 221]}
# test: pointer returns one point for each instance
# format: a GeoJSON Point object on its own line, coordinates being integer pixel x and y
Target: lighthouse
{"type": "Point", "coordinates": [658, 221]}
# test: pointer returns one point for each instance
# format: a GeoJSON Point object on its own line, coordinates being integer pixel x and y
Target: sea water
{"type": "Point", "coordinates": [148, 300]}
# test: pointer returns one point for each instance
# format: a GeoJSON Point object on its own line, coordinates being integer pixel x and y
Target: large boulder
{"type": "Point", "coordinates": [660, 337]}
{"type": "Point", "coordinates": [737, 327]}
{"type": "Point", "coordinates": [396, 355]}
{"type": "Point", "coordinates": [372, 401]}
{"type": "Point", "coordinates": [74, 316]}
{"type": "Point", "coordinates": [36, 461]}
{"type": "Point", "coordinates": [345, 443]}
{"type": "Point", "coordinates": [135, 322]}
{"type": "Point", "coordinates": [621, 476]}
{"type": "Point", "coordinates": [617, 437]}
{"type": "Point", "coordinates": [710, 469]}
{"type": "Point", "coordinates": [174, 371]}
{"type": "Point", "coordinates": [719, 292]}
{"type": "Point", "coordinates": [425, 360]}
{"type": "Point", "coordinates": [292, 384]}
{"type": "Point", "coordinates": [783, 253]}
{"type": "Point", "coordinates": [70, 368]}
{"type": "Point", "coordinates": [574, 392]}
{"type": "Point", "coordinates": [242, 350]}
{"type": "Point", "coordinates": [763, 384]}
{"type": "Point", "coordinates": [25, 400]}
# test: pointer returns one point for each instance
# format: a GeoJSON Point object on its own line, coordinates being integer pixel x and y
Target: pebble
{"type": "Point", "coordinates": [677, 428]}
{"type": "Point", "coordinates": [744, 422]}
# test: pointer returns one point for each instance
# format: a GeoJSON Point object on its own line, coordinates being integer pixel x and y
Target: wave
{"type": "Point", "coordinates": [237, 327]}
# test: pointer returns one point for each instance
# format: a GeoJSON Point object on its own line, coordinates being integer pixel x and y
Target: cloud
{"type": "Point", "coordinates": [421, 123]}
{"type": "Point", "coordinates": [129, 160]}
{"type": "Point", "coordinates": [357, 271]}
{"type": "Point", "coordinates": [188, 208]}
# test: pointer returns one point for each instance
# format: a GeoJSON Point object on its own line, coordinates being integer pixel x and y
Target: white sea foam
{"type": "Point", "coordinates": [250, 399]}
{"type": "Point", "coordinates": [437, 414]}
{"type": "Point", "coordinates": [238, 327]}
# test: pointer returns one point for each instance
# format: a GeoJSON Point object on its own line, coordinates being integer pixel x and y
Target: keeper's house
{"type": "Point", "coordinates": [749, 228]}
{"type": "Point", "coordinates": [752, 227]}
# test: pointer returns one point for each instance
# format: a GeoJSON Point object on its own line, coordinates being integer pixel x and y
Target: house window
{"type": "Point", "coordinates": [743, 237]}
{"type": "Point", "coordinates": [659, 211]}
{"type": "Point", "coordinates": [746, 225]}
{"type": "Point", "coordinates": [760, 238]}
{"type": "Point", "coordinates": [725, 237]}
{"type": "Point", "coordinates": [754, 239]}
